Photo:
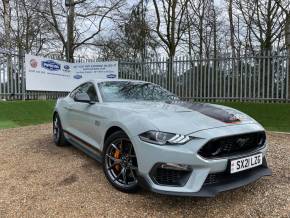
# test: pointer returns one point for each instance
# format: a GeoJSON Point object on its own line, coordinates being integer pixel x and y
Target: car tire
{"type": "Point", "coordinates": [120, 163]}
{"type": "Point", "coordinates": [58, 134]}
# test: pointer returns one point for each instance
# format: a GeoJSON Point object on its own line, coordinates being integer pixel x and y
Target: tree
{"type": "Point", "coordinates": [170, 28]}
{"type": "Point", "coordinates": [286, 10]}
{"type": "Point", "coordinates": [25, 29]}
{"type": "Point", "coordinates": [29, 30]}
{"type": "Point", "coordinates": [169, 23]}
{"type": "Point", "coordinates": [264, 19]}
{"type": "Point", "coordinates": [7, 24]}
{"type": "Point", "coordinates": [205, 30]}
{"type": "Point", "coordinates": [232, 28]}
{"type": "Point", "coordinates": [132, 37]}
{"type": "Point", "coordinates": [136, 31]}
{"type": "Point", "coordinates": [285, 7]}
{"type": "Point", "coordinates": [84, 22]}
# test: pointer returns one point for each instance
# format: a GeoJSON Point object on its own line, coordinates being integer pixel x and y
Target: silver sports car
{"type": "Point", "coordinates": [145, 136]}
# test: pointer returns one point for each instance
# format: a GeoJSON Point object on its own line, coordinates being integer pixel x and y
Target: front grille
{"type": "Point", "coordinates": [169, 177]}
{"type": "Point", "coordinates": [232, 145]}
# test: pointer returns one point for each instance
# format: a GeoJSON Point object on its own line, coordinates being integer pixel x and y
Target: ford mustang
{"type": "Point", "coordinates": [144, 136]}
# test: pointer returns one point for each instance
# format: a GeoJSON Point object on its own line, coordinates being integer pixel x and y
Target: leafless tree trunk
{"type": "Point", "coordinates": [286, 10]}
{"type": "Point", "coordinates": [200, 30]}
{"type": "Point", "coordinates": [287, 41]}
{"type": "Point", "coordinates": [215, 36]}
{"type": "Point", "coordinates": [70, 32]}
{"type": "Point", "coordinates": [7, 38]}
{"type": "Point", "coordinates": [173, 29]}
{"type": "Point", "coordinates": [173, 15]}
{"type": "Point", "coordinates": [189, 33]}
{"type": "Point", "coordinates": [7, 23]}
{"type": "Point", "coordinates": [232, 28]}
{"type": "Point", "coordinates": [287, 31]}
{"type": "Point", "coordinates": [77, 35]}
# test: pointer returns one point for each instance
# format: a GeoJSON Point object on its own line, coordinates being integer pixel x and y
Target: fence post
{"type": "Point", "coordinates": [21, 60]}
{"type": "Point", "coordinates": [288, 76]}
{"type": "Point", "coordinates": [169, 73]}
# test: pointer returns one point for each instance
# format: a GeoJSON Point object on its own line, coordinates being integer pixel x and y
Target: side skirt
{"type": "Point", "coordinates": [85, 147]}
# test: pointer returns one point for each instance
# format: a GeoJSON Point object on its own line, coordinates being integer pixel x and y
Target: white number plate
{"type": "Point", "coordinates": [246, 163]}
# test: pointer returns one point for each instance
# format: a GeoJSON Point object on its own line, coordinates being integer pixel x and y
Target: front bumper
{"type": "Point", "coordinates": [148, 155]}
{"type": "Point", "coordinates": [229, 182]}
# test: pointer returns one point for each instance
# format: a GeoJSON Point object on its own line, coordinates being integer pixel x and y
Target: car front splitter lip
{"type": "Point", "coordinates": [212, 190]}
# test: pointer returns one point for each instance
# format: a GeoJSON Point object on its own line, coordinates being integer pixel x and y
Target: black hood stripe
{"type": "Point", "coordinates": [209, 110]}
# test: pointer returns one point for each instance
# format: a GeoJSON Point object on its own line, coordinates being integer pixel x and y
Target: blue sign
{"type": "Point", "coordinates": [111, 76]}
{"type": "Point", "coordinates": [78, 76]}
{"type": "Point", "coordinates": [66, 67]}
{"type": "Point", "coordinates": [50, 65]}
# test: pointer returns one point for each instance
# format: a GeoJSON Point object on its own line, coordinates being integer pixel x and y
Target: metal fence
{"type": "Point", "coordinates": [263, 77]}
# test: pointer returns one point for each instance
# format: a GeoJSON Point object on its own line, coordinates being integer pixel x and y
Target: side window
{"type": "Point", "coordinates": [74, 92]}
{"type": "Point", "coordinates": [77, 90]}
{"type": "Point", "coordinates": [88, 88]}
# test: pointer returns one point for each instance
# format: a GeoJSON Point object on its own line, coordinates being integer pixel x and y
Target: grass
{"type": "Point", "coordinates": [274, 117]}
{"type": "Point", "coordinates": [23, 113]}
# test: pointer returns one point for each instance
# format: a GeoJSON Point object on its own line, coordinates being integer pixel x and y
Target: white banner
{"type": "Point", "coordinates": [43, 74]}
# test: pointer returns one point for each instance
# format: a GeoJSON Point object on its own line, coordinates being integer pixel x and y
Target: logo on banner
{"type": "Point", "coordinates": [78, 76]}
{"type": "Point", "coordinates": [111, 76]}
{"type": "Point", "coordinates": [66, 68]}
{"type": "Point", "coordinates": [33, 63]}
{"type": "Point", "coordinates": [50, 65]}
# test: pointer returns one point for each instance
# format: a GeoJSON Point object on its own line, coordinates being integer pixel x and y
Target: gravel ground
{"type": "Point", "coordinates": [38, 179]}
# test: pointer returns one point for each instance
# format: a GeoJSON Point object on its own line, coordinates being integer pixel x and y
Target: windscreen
{"type": "Point", "coordinates": [116, 91]}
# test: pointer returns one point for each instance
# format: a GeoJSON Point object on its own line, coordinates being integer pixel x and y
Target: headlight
{"type": "Point", "coordinates": [163, 138]}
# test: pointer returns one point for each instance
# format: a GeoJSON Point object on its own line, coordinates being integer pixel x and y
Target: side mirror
{"type": "Point", "coordinates": [84, 98]}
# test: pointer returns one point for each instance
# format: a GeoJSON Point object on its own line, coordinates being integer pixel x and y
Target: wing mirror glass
{"type": "Point", "coordinates": [84, 98]}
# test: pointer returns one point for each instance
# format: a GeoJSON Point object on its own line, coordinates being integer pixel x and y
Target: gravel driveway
{"type": "Point", "coordinates": [39, 179]}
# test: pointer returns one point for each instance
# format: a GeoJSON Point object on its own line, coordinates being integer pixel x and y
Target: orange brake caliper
{"type": "Point", "coordinates": [117, 155]}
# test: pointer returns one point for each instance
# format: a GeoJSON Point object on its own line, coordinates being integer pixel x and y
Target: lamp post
{"type": "Point", "coordinates": [70, 28]}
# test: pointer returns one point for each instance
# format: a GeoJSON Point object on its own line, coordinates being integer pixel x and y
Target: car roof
{"type": "Point", "coordinates": [117, 80]}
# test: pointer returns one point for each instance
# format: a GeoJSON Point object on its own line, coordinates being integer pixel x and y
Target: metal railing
{"type": "Point", "coordinates": [261, 78]}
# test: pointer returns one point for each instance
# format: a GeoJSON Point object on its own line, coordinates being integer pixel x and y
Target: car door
{"type": "Point", "coordinates": [84, 116]}
{"type": "Point", "coordinates": [71, 116]}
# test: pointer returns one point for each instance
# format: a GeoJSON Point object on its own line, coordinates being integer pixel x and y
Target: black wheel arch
{"type": "Point", "coordinates": [112, 130]}
{"type": "Point", "coordinates": [54, 114]}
